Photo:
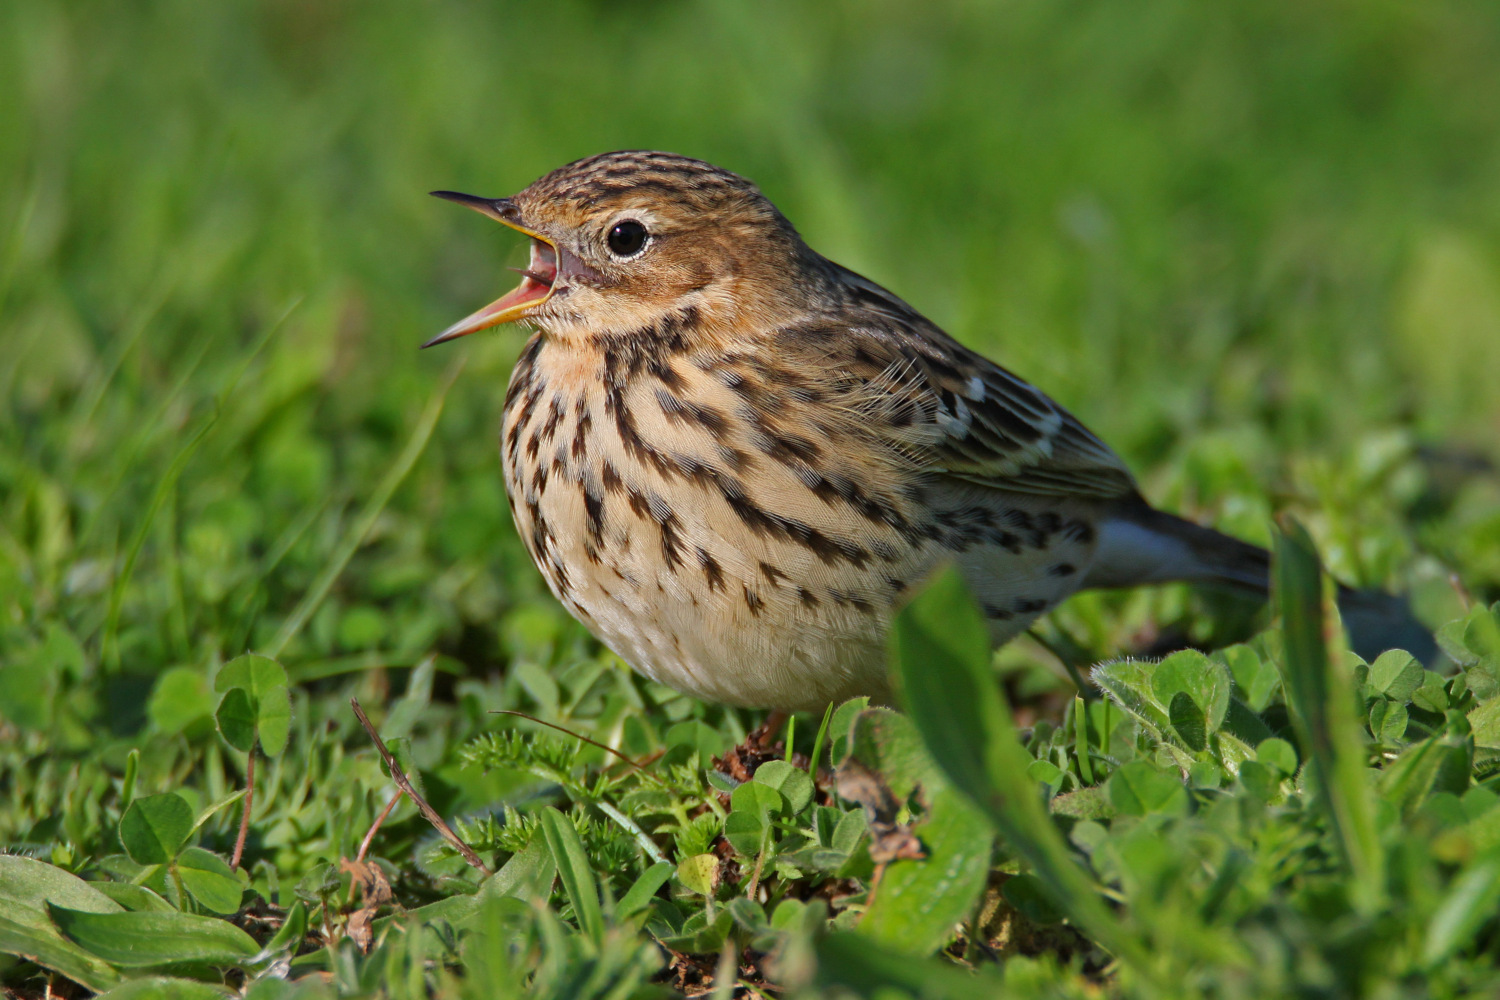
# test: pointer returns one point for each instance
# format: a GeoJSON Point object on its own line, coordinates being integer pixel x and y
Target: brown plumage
{"type": "Point", "coordinates": [733, 459]}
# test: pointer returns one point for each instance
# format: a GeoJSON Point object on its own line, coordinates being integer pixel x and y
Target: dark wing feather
{"type": "Point", "coordinates": [955, 412]}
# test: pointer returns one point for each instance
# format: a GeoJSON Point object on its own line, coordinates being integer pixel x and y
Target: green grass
{"type": "Point", "coordinates": [1255, 245]}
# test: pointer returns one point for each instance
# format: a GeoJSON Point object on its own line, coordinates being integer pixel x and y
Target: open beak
{"type": "Point", "coordinates": [537, 279]}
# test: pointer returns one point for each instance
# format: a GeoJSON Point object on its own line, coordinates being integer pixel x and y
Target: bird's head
{"type": "Point", "coordinates": [625, 242]}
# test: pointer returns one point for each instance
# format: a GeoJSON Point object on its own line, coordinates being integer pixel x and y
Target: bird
{"type": "Point", "coordinates": [734, 460]}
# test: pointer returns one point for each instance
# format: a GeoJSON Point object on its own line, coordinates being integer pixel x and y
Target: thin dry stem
{"type": "Point", "coordinates": [239, 840]}
{"type": "Point", "coordinates": [578, 736]}
{"type": "Point", "coordinates": [364, 845]}
{"type": "Point", "coordinates": [428, 813]}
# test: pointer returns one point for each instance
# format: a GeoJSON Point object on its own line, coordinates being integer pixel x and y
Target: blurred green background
{"type": "Point", "coordinates": [1255, 245]}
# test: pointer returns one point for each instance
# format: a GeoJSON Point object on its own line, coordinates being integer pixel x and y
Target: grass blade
{"type": "Point", "coordinates": [140, 940]}
{"type": "Point", "coordinates": [639, 895]}
{"type": "Point", "coordinates": [1470, 902]}
{"type": "Point", "coordinates": [1321, 696]}
{"type": "Point", "coordinates": [573, 868]}
{"type": "Point", "coordinates": [940, 650]}
{"type": "Point", "coordinates": [352, 539]}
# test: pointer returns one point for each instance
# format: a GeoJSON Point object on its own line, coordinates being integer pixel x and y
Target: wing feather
{"type": "Point", "coordinates": [957, 413]}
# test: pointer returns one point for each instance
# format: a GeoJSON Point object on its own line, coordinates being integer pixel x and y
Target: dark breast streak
{"type": "Point", "coordinates": [704, 462]}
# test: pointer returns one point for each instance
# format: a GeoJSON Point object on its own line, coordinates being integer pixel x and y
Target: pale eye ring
{"type": "Point", "coordinates": [626, 238]}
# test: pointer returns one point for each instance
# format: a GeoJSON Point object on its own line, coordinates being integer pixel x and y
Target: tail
{"type": "Point", "coordinates": [1139, 545]}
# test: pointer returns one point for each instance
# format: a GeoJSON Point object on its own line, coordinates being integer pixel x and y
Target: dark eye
{"type": "Point", "coordinates": [626, 238]}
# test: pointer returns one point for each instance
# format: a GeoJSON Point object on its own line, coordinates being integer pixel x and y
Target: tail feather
{"type": "Point", "coordinates": [1141, 545]}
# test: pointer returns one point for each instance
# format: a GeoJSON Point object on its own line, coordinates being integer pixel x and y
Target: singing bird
{"type": "Point", "coordinates": [734, 460]}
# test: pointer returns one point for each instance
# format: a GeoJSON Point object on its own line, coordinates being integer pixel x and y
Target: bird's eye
{"type": "Point", "coordinates": [626, 238]}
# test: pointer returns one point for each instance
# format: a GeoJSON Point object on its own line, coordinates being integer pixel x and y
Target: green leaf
{"type": "Point", "coordinates": [749, 915]}
{"type": "Point", "coordinates": [889, 744]}
{"type": "Point", "coordinates": [1188, 722]}
{"type": "Point", "coordinates": [25, 929]}
{"type": "Point", "coordinates": [127, 783]}
{"type": "Point", "coordinates": [793, 784]}
{"type": "Point", "coordinates": [412, 705]}
{"type": "Point", "coordinates": [540, 684]}
{"type": "Point", "coordinates": [134, 897]}
{"type": "Point", "coordinates": [1206, 682]}
{"type": "Point", "coordinates": [1320, 693]}
{"type": "Point", "coordinates": [1438, 764]}
{"type": "Point", "coordinates": [794, 916]}
{"type": "Point", "coordinates": [167, 988]}
{"type": "Point", "coordinates": [704, 739]}
{"type": "Point", "coordinates": [944, 671]}
{"type": "Point", "coordinates": [1205, 774]}
{"type": "Point", "coordinates": [50, 950]}
{"type": "Point", "coordinates": [939, 647]}
{"type": "Point", "coordinates": [1244, 725]}
{"type": "Point", "coordinates": [1082, 750]}
{"type": "Point", "coordinates": [640, 894]}
{"type": "Point", "coordinates": [155, 827]}
{"type": "Point", "coordinates": [847, 832]}
{"type": "Point", "coordinates": [1485, 723]}
{"type": "Point", "coordinates": [1278, 754]}
{"type": "Point", "coordinates": [524, 880]}
{"type": "Point", "coordinates": [207, 812]}
{"type": "Point", "coordinates": [1432, 696]}
{"type": "Point", "coordinates": [1396, 674]}
{"type": "Point", "coordinates": [1450, 639]}
{"type": "Point", "coordinates": [289, 935]}
{"type": "Point", "coordinates": [840, 726]}
{"type": "Point", "coordinates": [1140, 788]}
{"type": "Point", "coordinates": [577, 874]}
{"type": "Point", "coordinates": [256, 674]}
{"type": "Point", "coordinates": [698, 873]}
{"type": "Point", "coordinates": [527, 875]}
{"type": "Point", "coordinates": [846, 960]}
{"type": "Point", "coordinates": [140, 940]}
{"type": "Point", "coordinates": [700, 935]}
{"type": "Point", "coordinates": [274, 720]}
{"type": "Point", "coordinates": [26, 885]}
{"type": "Point", "coordinates": [1085, 803]}
{"type": "Point", "coordinates": [1388, 721]}
{"type": "Point", "coordinates": [1261, 780]}
{"type": "Point", "coordinates": [1129, 684]}
{"type": "Point", "coordinates": [243, 716]}
{"type": "Point", "coordinates": [1471, 901]}
{"type": "Point", "coordinates": [746, 832]}
{"type": "Point", "coordinates": [820, 741]}
{"type": "Point", "coordinates": [1482, 637]}
{"type": "Point", "coordinates": [236, 719]}
{"type": "Point", "coordinates": [755, 798]}
{"type": "Point", "coordinates": [318, 883]}
{"type": "Point", "coordinates": [1045, 771]}
{"type": "Point", "coordinates": [180, 701]}
{"type": "Point", "coordinates": [748, 824]}
{"type": "Point", "coordinates": [209, 880]}
{"type": "Point", "coordinates": [1258, 679]}
{"type": "Point", "coordinates": [256, 703]}
{"type": "Point", "coordinates": [922, 902]}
